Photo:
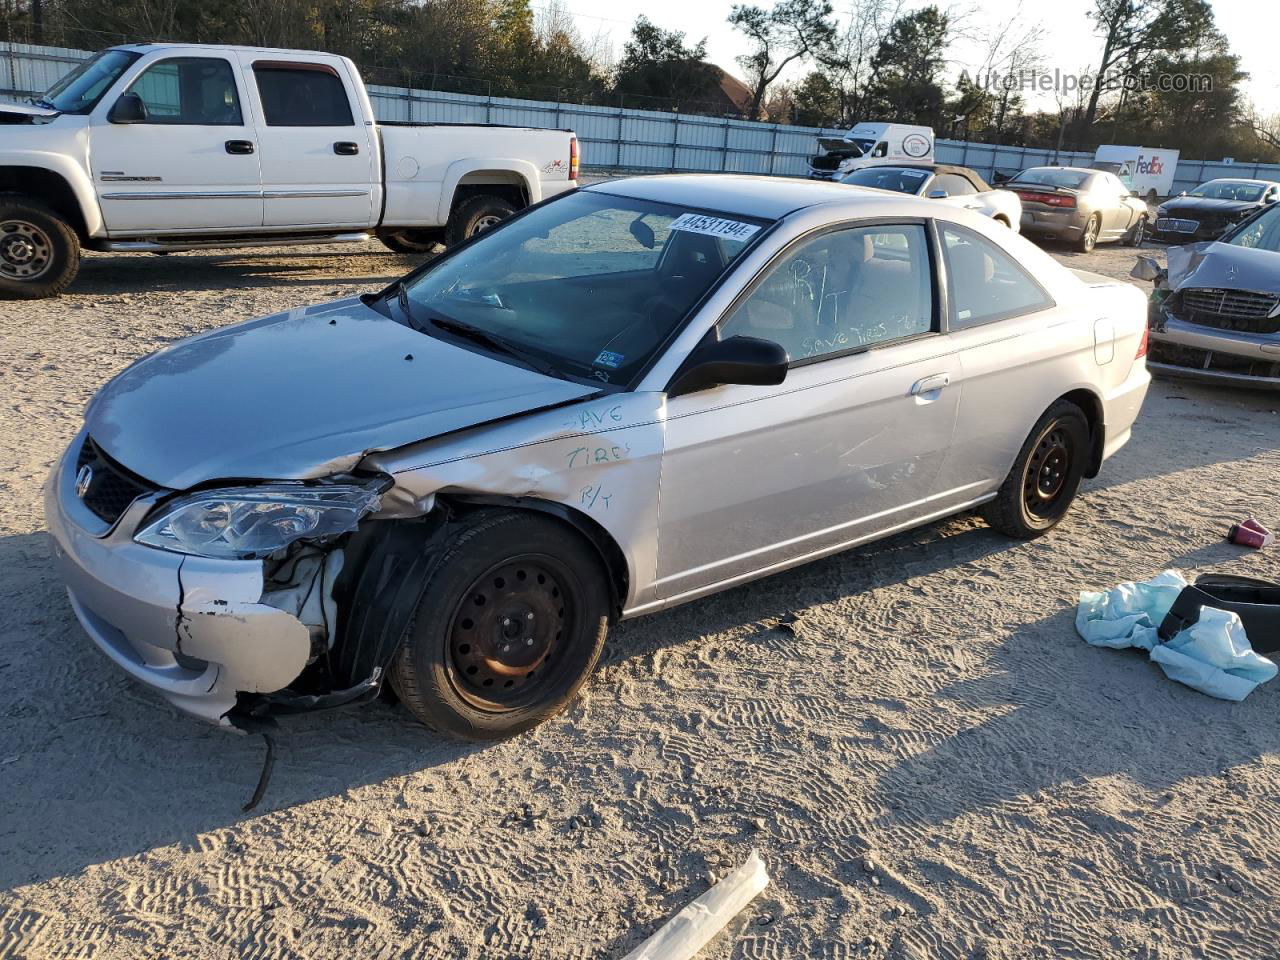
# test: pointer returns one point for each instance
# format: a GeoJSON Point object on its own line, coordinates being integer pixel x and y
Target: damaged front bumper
{"type": "Point", "coordinates": [1192, 351]}
{"type": "Point", "coordinates": [193, 629]}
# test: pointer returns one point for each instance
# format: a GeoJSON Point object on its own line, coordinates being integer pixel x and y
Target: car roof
{"type": "Point", "coordinates": [770, 198]}
{"type": "Point", "coordinates": [1260, 183]}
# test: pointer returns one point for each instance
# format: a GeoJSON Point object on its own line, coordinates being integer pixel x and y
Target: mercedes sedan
{"type": "Point", "coordinates": [623, 399]}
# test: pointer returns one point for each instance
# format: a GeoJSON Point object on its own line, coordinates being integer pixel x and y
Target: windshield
{"type": "Point", "coordinates": [1228, 190]}
{"type": "Point", "coordinates": [899, 179]}
{"type": "Point", "coordinates": [1260, 233]}
{"type": "Point", "coordinates": [1051, 177]}
{"type": "Point", "coordinates": [591, 284]}
{"type": "Point", "coordinates": [81, 89]}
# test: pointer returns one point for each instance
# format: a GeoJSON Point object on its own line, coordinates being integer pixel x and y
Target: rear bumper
{"type": "Point", "coordinates": [1058, 224]}
{"type": "Point", "coordinates": [191, 629]}
{"type": "Point", "coordinates": [1121, 407]}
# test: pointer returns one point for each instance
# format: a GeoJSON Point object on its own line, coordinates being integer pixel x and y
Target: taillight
{"type": "Point", "coordinates": [1049, 199]}
{"type": "Point", "coordinates": [1142, 344]}
{"type": "Point", "coordinates": [573, 158]}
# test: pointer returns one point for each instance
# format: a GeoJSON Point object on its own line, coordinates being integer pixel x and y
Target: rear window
{"type": "Point", "coordinates": [1050, 177]}
{"type": "Point", "coordinates": [305, 95]}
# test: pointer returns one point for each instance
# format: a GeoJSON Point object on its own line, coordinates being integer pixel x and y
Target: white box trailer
{"type": "Point", "coordinates": [1148, 171]}
{"type": "Point", "coordinates": [870, 144]}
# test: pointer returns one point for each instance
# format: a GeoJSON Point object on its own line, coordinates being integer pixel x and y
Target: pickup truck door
{"type": "Point", "coordinates": [319, 153]}
{"type": "Point", "coordinates": [189, 165]}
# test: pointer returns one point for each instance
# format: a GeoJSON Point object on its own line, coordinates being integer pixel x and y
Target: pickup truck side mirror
{"type": "Point", "coordinates": [128, 109]}
{"type": "Point", "coordinates": [745, 360]}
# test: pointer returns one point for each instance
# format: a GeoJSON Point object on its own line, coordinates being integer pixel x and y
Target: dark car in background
{"type": "Point", "coordinates": [1079, 206]}
{"type": "Point", "coordinates": [1215, 314]}
{"type": "Point", "coordinates": [1212, 209]}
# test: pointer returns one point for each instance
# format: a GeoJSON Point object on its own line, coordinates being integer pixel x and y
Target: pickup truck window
{"type": "Point", "coordinates": [305, 95]}
{"type": "Point", "coordinates": [590, 284]}
{"type": "Point", "coordinates": [196, 91]}
{"type": "Point", "coordinates": [81, 89]}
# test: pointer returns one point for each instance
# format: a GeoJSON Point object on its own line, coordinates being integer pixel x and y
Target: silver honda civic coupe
{"type": "Point", "coordinates": [628, 397]}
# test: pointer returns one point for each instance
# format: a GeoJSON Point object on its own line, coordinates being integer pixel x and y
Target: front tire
{"type": "Point", "coordinates": [39, 252]}
{"type": "Point", "coordinates": [1089, 238]}
{"type": "Point", "coordinates": [509, 627]}
{"type": "Point", "coordinates": [1045, 477]}
{"type": "Point", "coordinates": [476, 215]}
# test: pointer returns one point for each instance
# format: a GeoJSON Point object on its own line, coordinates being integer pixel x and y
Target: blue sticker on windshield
{"type": "Point", "coordinates": [609, 359]}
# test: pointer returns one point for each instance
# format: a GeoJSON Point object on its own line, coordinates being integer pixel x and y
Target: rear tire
{"type": "Point", "coordinates": [39, 252]}
{"type": "Point", "coordinates": [1045, 477]}
{"type": "Point", "coordinates": [509, 627]}
{"type": "Point", "coordinates": [1134, 237]}
{"type": "Point", "coordinates": [475, 216]}
{"type": "Point", "coordinates": [1089, 238]}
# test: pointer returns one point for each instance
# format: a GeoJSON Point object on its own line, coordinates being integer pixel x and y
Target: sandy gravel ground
{"type": "Point", "coordinates": [931, 761]}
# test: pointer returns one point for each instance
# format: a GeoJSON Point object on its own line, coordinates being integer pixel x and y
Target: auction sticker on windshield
{"type": "Point", "coordinates": [714, 226]}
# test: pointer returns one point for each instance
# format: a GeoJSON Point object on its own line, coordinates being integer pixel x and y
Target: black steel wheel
{"type": "Point", "coordinates": [509, 627]}
{"type": "Point", "coordinates": [1045, 476]}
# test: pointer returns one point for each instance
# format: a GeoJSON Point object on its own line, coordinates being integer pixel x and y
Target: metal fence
{"type": "Point", "coordinates": [615, 138]}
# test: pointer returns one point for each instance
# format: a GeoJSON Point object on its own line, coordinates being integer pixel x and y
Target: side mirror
{"type": "Point", "coordinates": [128, 109]}
{"type": "Point", "coordinates": [1183, 193]}
{"type": "Point", "coordinates": [643, 233]}
{"type": "Point", "coordinates": [1271, 198]}
{"type": "Point", "coordinates": [744, 360]}
{"type": "Point", "coordinates": [938, 194]}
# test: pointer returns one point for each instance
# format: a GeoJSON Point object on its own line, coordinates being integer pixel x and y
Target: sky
{"type": "Point", "coordinates": [1070, 45]}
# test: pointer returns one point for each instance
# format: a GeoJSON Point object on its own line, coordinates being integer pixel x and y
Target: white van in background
{"type": "Point", "coordinates": [871, 144]}
{"type": "Point", "coordinates": [1147, 171]}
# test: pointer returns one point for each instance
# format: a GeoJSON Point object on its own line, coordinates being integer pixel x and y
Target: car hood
{"type": "Point", "coordinates": [302, 394]}
{"type": "Point", "coordinates": [1223, 265]}
{"type": "Point", "coordinates": [24, 111]}
{"type": "Point", "coordinates": [1203, 205]}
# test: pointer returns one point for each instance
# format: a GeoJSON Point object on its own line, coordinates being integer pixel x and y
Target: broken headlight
{"type": "Point", "coordinates": [244, 523]}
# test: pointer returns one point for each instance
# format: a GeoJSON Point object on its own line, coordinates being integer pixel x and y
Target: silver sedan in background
{"type": "Point", "coordinates": [629, 397]}
{"type": "Point", "coordinates": [1079, 206]}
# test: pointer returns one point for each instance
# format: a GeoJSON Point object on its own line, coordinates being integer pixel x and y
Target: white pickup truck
{"type": "Point", "coordinates": [163, 147]}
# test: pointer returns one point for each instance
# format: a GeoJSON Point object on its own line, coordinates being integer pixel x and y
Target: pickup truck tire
{"type": "Point", "coordinates": [39, 252]}
{"type": "Point", "coordinates": [411, 241]}
{"type": "Point", "coordinates": [475, 216]}
{"type": "Point", "coordinates": [509, 627]}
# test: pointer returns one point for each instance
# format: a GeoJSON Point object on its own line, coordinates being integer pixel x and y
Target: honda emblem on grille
{"type": "Point", "coordinates": [84, 477]}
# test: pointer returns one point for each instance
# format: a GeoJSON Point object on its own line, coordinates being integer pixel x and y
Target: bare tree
{"type": "Point", "coordinates": [869, 23]}
{"type": "Point", "coordinates": [794, 30]}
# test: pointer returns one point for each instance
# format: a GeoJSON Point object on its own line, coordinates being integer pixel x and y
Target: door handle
{"type": "Point", "coordinates": [239, 146]}
{"type": "Point", "coordinates": [345, 148]}
{"type": "Point", "coordinates": [931, 384]}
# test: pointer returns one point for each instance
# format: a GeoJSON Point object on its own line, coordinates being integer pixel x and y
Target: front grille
{"type": "Point", "coordinates": [1242, 310]}
{"type": "Point", "coordinates": [111, 487]}
{"type": "Point", "coordinates": [1174, 225]}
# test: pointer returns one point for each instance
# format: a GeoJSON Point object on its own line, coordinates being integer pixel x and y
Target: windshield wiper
{"type": "Point", "coordinates": [495, 343]}
{"type": "Point", "coordinates": [474, 334]}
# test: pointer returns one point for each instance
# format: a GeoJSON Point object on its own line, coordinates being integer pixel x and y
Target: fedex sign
{"type": "Point", "coordinates": [1150, 166]}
